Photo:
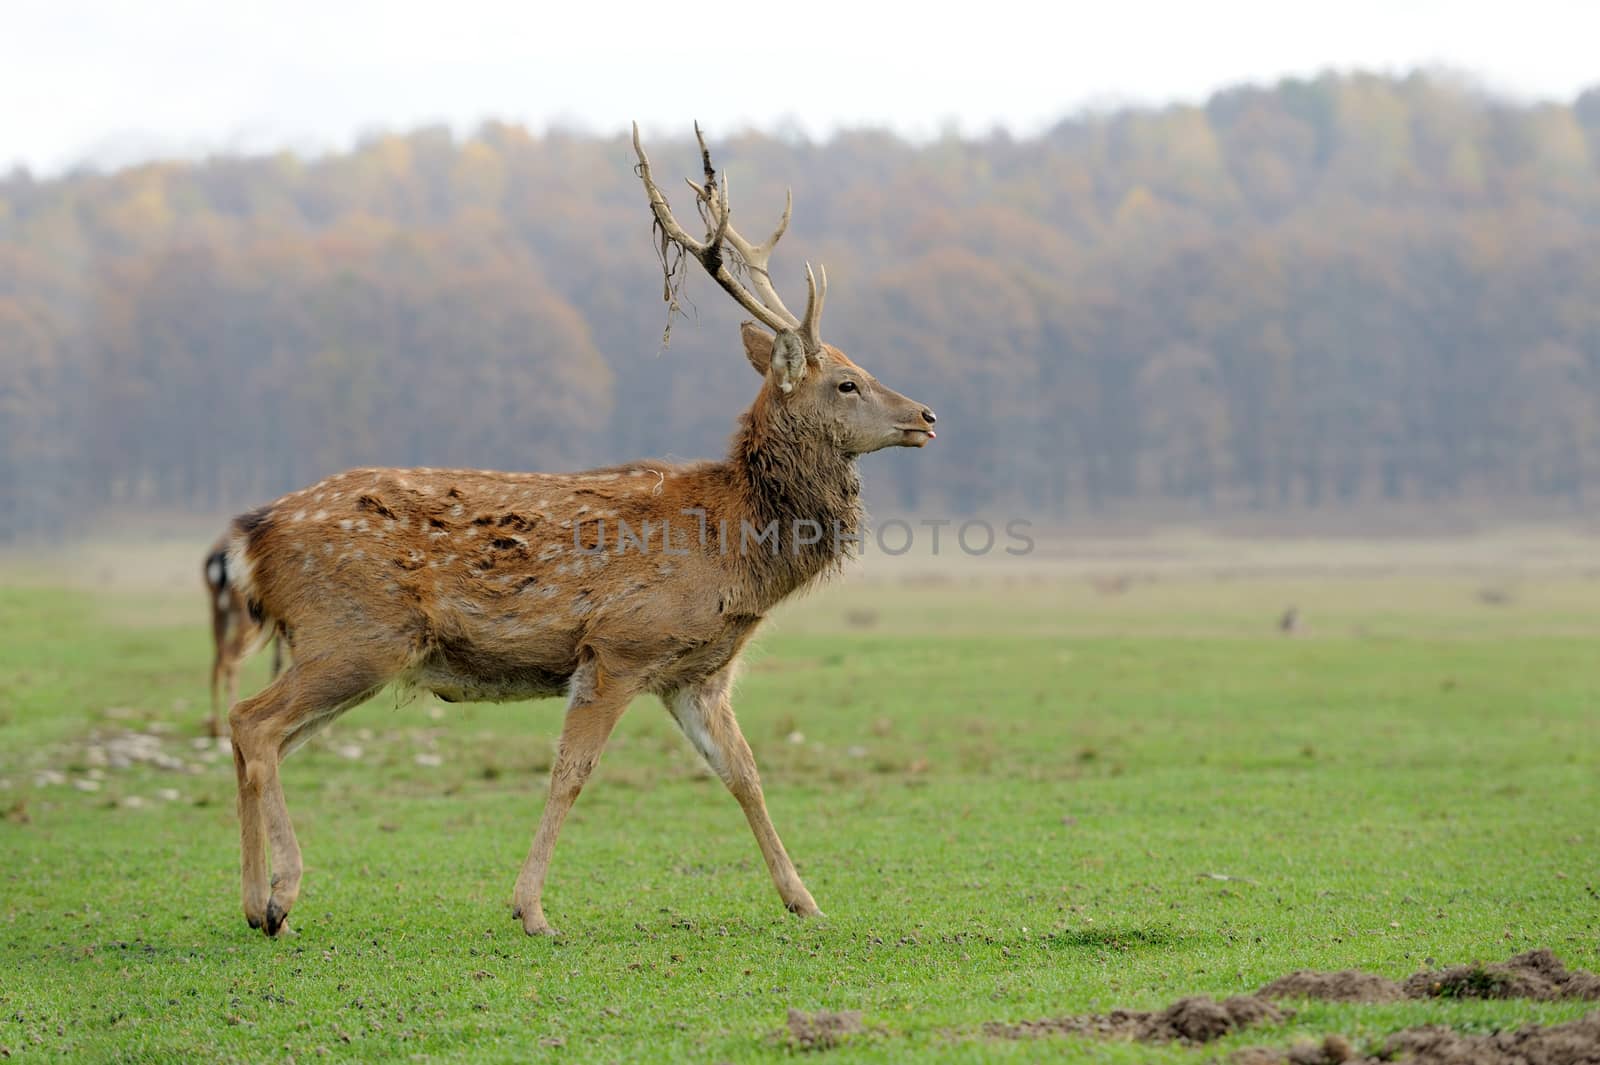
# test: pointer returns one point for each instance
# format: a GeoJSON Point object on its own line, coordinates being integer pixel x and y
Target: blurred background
{"type": "Point", "coordinates": [1336, 270]}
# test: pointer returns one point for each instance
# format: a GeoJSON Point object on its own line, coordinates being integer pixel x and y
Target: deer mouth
{"type": "Point", "coordinates": [915, 437]}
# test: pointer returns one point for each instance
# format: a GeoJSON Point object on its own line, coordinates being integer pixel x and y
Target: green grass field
{"type": "Point", "coordinates": [1016, 796]}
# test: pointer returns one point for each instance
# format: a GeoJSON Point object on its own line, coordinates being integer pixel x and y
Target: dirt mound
{"type": "Point", "coordinates": [1334, 1050]}
{"type": "Point", "coordinates": [1188, 1020]}
{"type": "Point", "coordinates": [1538, 974]}
{"type": "Point", "coordinates": [1574, 1043]}
{"type": "Point", "coordinates": [821, 1030]}
{"type": "Point", "coordinates": [1346, 985]}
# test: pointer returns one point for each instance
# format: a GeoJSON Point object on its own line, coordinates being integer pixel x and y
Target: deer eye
{"type": "Point", "coordinates": [847, 387]}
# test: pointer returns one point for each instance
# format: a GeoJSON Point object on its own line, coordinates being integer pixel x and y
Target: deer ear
{"type": "Point", "coordinates": [788, 364]}
{"type": "Point", "coordinates": [757, 346]}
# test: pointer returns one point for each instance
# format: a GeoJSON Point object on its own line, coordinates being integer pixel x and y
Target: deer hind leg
{"type": "Point", "coordinates": [265, 728]}
{"type": "Point", "coordinates": [705, 714]}
{"type": "Point", "coordinates": [593, 707]}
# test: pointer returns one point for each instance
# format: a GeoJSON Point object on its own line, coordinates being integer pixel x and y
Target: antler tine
{"type": "Point", "coordinates": [709, 253]}
{"type": "Point", "coordinates": [783, 224]}
{"type": "Point", "coordinates": [816, 293]}
{"type": "Point", "coordinates": [658, 204]}
{"type": "Point", "coordinates": [754, 256]}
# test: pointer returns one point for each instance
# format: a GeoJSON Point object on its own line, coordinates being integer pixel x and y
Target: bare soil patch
{"type": "Point", "coordinates": [1346, 985]}
{"type": "Point", "coordinates": [1536, 974]}
{"type": "Point", "coordinates": [1189, 1020]}
{"type": "Point", "coordinates": [1574, 1043]}
{"type": "Point", "coordinates": [822, 1030]}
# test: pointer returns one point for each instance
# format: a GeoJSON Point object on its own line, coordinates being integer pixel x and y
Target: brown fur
{"type": "Point", "coordinates": [471, 584]}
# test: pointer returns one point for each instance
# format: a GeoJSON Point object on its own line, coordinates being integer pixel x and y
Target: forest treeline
{"type": "Point", "coordinates": [1325, 293]}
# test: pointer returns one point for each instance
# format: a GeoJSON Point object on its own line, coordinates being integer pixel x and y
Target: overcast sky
{"type": "Point", "coordinates": [115, 81]}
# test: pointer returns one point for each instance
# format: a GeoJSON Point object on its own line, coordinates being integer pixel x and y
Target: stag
{"type": "Point", "coordinates": [234, 633]}
{"type": "Point", "coordinates": [480, 585]}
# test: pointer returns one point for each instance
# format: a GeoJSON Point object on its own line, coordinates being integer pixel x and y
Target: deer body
{"type": "Point", "coordinates": [599, 586]}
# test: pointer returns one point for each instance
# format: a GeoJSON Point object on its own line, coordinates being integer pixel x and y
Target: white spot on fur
{"type": "Point", "coordinates": [319, 515]}
{"type": "Point", "coordinates": [298, 515]}
{"type": "Point", "coordinates": [346, 524]}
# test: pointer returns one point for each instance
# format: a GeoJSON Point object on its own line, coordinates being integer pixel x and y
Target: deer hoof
{"type": "Point", "coordinates": [276, 915]}
{"type": "Point", "coordinates": [536, 926]}
{"type": "Point", "coordinates": [805, 907]}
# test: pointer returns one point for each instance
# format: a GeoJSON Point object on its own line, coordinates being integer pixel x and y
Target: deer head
{"type": "Point", "coordinates": [813, 386]}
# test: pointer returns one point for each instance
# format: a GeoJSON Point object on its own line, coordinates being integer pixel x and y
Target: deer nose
{"type": "Point", "coordinates": [927, 416]}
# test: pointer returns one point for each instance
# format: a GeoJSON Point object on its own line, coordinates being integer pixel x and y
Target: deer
{"type": "Point", "coordinates": [234, 633]}
{"type": "Point", "coordinates": [648, 578]}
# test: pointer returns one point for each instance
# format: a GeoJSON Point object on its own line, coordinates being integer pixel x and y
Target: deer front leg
{"type": "Point", "coordinates": [252, 843]}
{"type": "Point", "coordinates": [593, 708]}
{"type": "Point", "coordinates": [214, 722]}
{"type": "Point", "coordinates": [705, 714]}
{"type": "Point", "coordinates": [264, 728]}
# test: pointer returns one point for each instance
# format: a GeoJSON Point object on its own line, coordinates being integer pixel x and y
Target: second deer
{"type": "Point", "coordinates": [234, 634]}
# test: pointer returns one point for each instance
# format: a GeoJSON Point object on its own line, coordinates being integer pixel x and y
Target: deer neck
{"type": "Point", "coordinates": [792, 475]}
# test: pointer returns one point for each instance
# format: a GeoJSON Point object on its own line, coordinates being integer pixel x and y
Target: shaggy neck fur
{"type": "Point", "coordinates": [785, 471]}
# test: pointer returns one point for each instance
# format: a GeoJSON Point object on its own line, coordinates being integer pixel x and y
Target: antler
{"type": "Point", "coordinates": [712, 202]}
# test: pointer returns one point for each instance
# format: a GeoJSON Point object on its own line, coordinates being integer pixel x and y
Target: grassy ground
{"type": "Point", "coordinates": [1016, 793]}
